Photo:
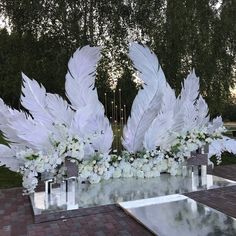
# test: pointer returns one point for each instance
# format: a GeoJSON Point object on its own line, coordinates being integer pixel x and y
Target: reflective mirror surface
{"type": "Point", "coordinates": [119, 190]}
{"type": "Point", "coordinates": [179, 215]}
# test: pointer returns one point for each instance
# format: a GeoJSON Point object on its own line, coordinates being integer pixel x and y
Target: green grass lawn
{"type": "Point", "coordinates": [8, 178]}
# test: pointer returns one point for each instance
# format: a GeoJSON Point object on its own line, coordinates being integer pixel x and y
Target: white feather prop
{"type": "Point", "coordinates": [6, 115]}
{"type": "Point", "coordinates": [185, 113]}
{"type": "Point", "coordinates": [33, 98]}
{"type": "Point", "coordinates": [81, 119]}
{"type": "Point", "coordinates": [8, 158]}
{"type": "Point", "coordinates": [147, 103]}
{"type": "Point", "coordinates": [103, 135]}
{"type": "Point", "coordinates": [159, 133]}
{"type": "Point", "coordinates": [80, 79]}
{"type": "Point", "coordinates": [32, 134]}
{"type": "Point", "coordinates": [202, 118]}
{"type": "Point", "coordinates": [217, 147]}
{"type": "Point", "coordinates": [190, 88]}
{"type": "Point", "coordinates": [89, 119]}
{"type": "Point", "coordinates": [21, 130]}
{"type": "Point", "coordinates": [177, 116]}
{"type": "Point", "coordinates": [59, 109]}
{"type": "Point", "coordinates": [185, 120]}
{"type": "Point", "coordinates": [215, 124]}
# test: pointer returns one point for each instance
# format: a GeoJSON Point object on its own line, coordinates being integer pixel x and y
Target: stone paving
{"type": "Point", "coordinates": [16, 216]}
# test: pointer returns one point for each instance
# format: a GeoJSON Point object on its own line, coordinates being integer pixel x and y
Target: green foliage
{"type": "Point", "coordinates": [9, 179]}
{"type": "Point", "coordinates": [227, 159]}
{"type": "Point", "coordinates": [229, 112]}
{"type": "Point", "coordinates": [184, 34]}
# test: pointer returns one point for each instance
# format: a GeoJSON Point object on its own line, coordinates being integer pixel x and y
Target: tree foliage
{"type": "Point", "coordinates": [184, 34]}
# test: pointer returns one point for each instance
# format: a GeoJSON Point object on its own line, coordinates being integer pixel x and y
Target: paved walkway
{"type": "Point", "coordinates": [16, 217]}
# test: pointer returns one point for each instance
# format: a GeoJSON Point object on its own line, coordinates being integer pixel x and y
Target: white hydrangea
{"type": "Point", "coordinates": [139, 174]}
{"type": "Point", "coordinates": [117, 173]}
{"type": "Point", "coordinates": [94, 178]}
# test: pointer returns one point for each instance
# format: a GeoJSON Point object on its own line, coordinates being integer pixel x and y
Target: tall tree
{"type": "Point", "coordinates": [184, 34]}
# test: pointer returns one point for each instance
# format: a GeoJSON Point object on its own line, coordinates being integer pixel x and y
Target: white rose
{"type": "Point", "coordinates": [163, 165]}
{"type": "Point", "coordinates": [94, 179]}
{"type": "Point", "coordinates": [146, 168]}
{"type": "Point", "coordinates": [148, 174]}
{"type": "Point", "coordinates": [100, 170]}
{"type": "Point", "coordinates": [117, 173]}
{"type": "Point", "coordinates": [140, 174]}
{"type": "Point", "coordinates": [107, 175]}
{"type": "Point", "coordinates": [58, 161]}
{"type": "Point", "coordinates": [127, 174]}
{"type": "Point", "coordinates": [155, 173]}
{"type": "Point", "coordinates": [88, 168]}
{"type": "Point", "coordinates": [115, 164]}
{"type": "Point", "coordinates": [85, 174]}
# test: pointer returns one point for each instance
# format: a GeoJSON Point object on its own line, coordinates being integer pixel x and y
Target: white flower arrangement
{"type": "Point", "coordinates": [37, 163]}
{"type": "Point", "coordinates": [147, 164]}
{"type": "Point", "coordinates": [191, 141]}
{"type": "Point", "coordinates": [68, 145]}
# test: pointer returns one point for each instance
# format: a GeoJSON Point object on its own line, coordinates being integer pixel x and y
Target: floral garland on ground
{"type": "Point", "coordinates": [146, 164]}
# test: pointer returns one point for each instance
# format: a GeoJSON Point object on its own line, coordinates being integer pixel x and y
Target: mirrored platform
{"type": "Point", "coordinates": [179, 215]}
{"type": "Point", "coordinates": [120, 190]}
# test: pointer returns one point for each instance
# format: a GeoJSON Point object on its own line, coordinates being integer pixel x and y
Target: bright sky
{"type": "Point", "coordinates": [233, 92]}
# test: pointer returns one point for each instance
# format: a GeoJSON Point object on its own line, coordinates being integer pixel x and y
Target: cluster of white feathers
{"type": "Point", "coordinates": [82, 116]}
{"type": "Point", "coordinates": [158, 116]}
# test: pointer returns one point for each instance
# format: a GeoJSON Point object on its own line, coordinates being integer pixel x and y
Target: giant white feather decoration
{"type": "Point", "coordinates": [21, 130]}
{"type": "Point", "coordinates": [33, 98]}
{"type": "Point", "coordinates": [90, 122]}
{"type": "Point", "coordinates": [33, 134]}
{"type": "Point", "coordinates": [159, 133]}
{"type": "Point", "coordinates": [185, 110]}
{"type": "Point", "coordinates": [177, 116]}
{"type": "Point", "coordinates": [147, 103]}
{"type": "Point", "coordinates": [190, 88]}
{"type": "Point", "coordinates": [6, 115]}
{"type": "Point", "coordinates": [80, 78]}
{"type": "Point", "coordinates": [102, 137]}
{"type": "Point", "coordinates": [203, 117]}
{"type": "Point", "coordinates": [215, 124]}
{"type": "Point", "coordinates": [89, 119]}
{"type": "Point", "coordinates": [59, 109]}
{"type": "Point", "coordinates": [217, 147]}
{"type": "Point", "coordinates": [8, 158]}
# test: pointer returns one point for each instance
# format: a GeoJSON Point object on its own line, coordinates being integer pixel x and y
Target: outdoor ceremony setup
{"type": "Point", "coordinates": [66, 148]}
